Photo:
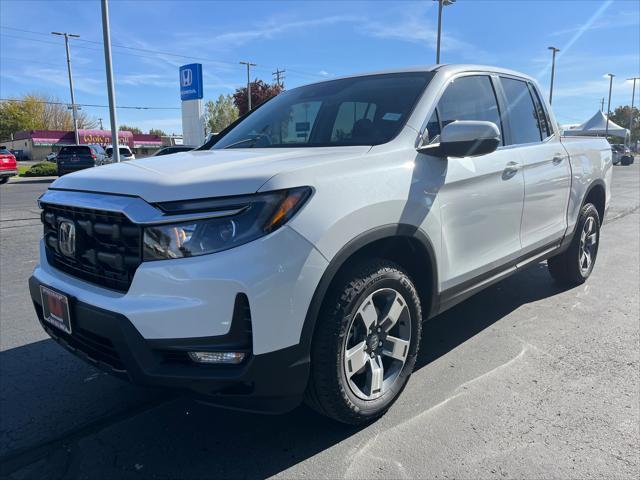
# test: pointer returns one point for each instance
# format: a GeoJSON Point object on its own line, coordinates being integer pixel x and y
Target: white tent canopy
{"type": "Point", "coordinates": [597, 126]}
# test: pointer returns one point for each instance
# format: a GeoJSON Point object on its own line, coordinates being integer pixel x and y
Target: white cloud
{"type": "Point", "coordinates": [619, 20]}
{"type": "Point", "coordinates": [271, 28]}
{"type": "Point", "coordinates": [593, 89]}
{"type": "Point", "coordinates": [147, 80]}
{"type": "Point", "coordinates": [418, 28]}
{"type": "Point", "coordinates": [43, 76]}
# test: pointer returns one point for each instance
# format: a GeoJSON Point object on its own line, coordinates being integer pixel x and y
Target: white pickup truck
{"type": "Point", "coordinates": [297, 255]}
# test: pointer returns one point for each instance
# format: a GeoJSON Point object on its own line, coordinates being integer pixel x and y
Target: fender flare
{"type": "Point", "coordinates": [346, 252]}
{"type": "Point", "coordinates": [568, 237]}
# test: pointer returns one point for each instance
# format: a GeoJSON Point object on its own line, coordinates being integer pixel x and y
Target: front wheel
{"type": "Point", "coordinates": [574, 265]}
{"type": "Point", "coordinates": [365, 344]}
{"type": "Point", "coordinates": [4, 180]}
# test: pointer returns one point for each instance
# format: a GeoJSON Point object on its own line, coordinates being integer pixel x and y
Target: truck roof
{"type": "Point", "coordinates": [445, 68]}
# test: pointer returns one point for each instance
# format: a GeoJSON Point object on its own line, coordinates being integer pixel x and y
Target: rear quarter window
{"type": "Point", "coordinates": [78, 149]}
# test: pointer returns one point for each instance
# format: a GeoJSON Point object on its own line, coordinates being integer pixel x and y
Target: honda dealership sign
{"type": "Point", "coordinates": [191, 93]}
{"type": "Point", "coordinates": [191, 81]}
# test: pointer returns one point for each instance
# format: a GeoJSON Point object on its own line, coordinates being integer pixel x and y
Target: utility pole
{"type": "Point", "coordinates": [249, 65]}
{"type": "Point", "coordinates": [633, 97]}
{"type": "Point", "coordinates": [73, 99]}
{"type": "Point", "coordinates": [100, 120]}
{"type": "Point", "coordinates": [553, 71]}
{"type": "Point", "coordinates": [441, 3]}
{"type": "Point", "coordinates": [279, 77]}
{"type": "Point", "coordinates": [606, 130]}
{"type": "Point", "coordinates": [106, 38]}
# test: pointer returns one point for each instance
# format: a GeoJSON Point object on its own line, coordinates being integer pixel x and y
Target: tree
{"type": "Point", "coordinates": [220, 114]}
{"type": "Point", "coordinates": [135, 130]}
{"type": "Point", "coordinates": [36, 111]}
{"type": "Point", "coordinates": [260, 92]}
{"type": "Point", "coordinates": [157, 131]}
{"type": "Point", "coordinates": [621, 117]}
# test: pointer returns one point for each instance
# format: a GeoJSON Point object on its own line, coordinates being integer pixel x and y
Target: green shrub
{"type": "Point", "coordinates": [43, 169]}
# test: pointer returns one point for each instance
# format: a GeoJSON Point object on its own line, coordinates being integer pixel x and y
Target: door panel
{"type": "Point", "coordinates": [547, 174]}
{"type": "Point", "coordinates": [481, 197]}
{"type": "Point", "coordinates": [481, 211]}
{"type": "Point", "coordinates": [547, 179]}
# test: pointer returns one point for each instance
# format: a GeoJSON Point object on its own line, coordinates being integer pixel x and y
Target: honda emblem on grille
{"type": "Point", "coordinates": [67, 237]}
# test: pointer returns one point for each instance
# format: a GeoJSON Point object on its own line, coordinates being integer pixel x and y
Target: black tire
{"type": "Point", "coordinates": [3, 180]}
{"type": "Point", "coordinates": [328, 390]}
{"type": "Point", "coordinates": [566, 268]}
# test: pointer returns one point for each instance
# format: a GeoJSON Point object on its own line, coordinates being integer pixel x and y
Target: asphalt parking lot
{"type": "Point", "coordinates": [523, 380]}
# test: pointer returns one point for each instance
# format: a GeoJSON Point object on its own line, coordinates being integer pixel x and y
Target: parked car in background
{"type": "Point", "coordinates": [8, 165]}
{"type": "Point", "coordinates": [299, 256]}
{"type": "Point", "coordinates": [621, 154]}
{"type": "Point", "coordinates": [125, 152]}
{"type": "Point", "coordinates": [78, 157]}
{"type": "Point", "coordinates": [51, 157]}
{"type": "Point", "coordinates": [173, 149]}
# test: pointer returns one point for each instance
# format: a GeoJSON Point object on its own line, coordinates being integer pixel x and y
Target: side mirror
{"type": "Point", "coordinates": [465, 138]}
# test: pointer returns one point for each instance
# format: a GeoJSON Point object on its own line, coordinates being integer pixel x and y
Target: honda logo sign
{"type": "Point", "coordinates": [191, 82]}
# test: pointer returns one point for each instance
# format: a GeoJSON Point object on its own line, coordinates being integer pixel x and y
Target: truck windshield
{"type": "Point", "coordinates": [367, 110]}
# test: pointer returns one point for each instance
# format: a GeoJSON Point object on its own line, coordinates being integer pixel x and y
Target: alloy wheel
{"type": "Point", "coordinates": [377, 344]}
{"type": "Point", "coordinates": [588, 245]}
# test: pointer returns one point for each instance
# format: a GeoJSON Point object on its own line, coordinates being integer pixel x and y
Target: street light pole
{"type": "Point", "coordinates": [633, 97]}
{"type": "Point", "coordinates": [111, 91]}
{"type": "Point", "coordinates": [441, 3]}
{"type": "Point", "coordinates": [606, 130]}
{"type": "Point", "coordinates": [553, 71]}
{"type": "Point", "coordinates": [249, 65]}
{"type": "Point", "coordinates": [73, 99]}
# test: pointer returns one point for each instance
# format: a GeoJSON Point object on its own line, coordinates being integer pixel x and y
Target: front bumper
{"type": "Point", "coordinates": [272, 382]}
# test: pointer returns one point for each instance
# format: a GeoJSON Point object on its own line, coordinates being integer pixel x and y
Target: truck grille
{"type": "Point", "coordinates": [108, 246]}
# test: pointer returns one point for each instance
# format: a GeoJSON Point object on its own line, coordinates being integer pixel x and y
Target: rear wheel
{"type": "Point", "coordinates": [4, 180]}
{"type": "Point", "coordinates": [365, 344]}
{"type": "Point", "coordinates": [574, 265]}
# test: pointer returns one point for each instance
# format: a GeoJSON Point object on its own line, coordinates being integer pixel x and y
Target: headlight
{"type": "Point", "coordinates": [254, 216]}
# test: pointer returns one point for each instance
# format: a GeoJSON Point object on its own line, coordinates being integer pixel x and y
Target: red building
{"type": "Point", "coordinates": [36, 144]}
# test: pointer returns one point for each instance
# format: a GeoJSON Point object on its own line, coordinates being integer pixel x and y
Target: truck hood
{"type": "Point", "coordinates": [201, 174]}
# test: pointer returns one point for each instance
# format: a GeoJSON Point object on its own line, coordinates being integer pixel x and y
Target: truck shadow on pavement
{"type": "Point", "coordinates": [178, 438]}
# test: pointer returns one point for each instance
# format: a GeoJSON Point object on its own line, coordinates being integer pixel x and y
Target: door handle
{"type": "Point", "coordinates": [557, 160]}
{"type": "Point", "coordinates": [510, 170]}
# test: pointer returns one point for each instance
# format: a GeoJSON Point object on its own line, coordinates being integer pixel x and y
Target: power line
{"type": "Point", "coordinates": [88, 104]}
{"type": "Point", "coordinates": [152, 51]}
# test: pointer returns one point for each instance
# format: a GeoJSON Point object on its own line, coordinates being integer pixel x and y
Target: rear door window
{"type": "Point", "coordinates": [544, 124]}
{"type": "Point", "coordinates": [469, 98]}
{"type": "Point", "coordinates": [521, 111]}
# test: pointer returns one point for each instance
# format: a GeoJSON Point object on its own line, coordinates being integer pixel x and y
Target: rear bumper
{"type": "Point", "coordinates": [8, 173]}
{"type": "Point", "coordinates": [273, 382]}
{"type": "Point", "coordinates": [70, 167]}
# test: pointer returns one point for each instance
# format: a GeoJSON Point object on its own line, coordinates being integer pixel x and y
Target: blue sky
{"type": "Point", "coordinates": [312, 41]}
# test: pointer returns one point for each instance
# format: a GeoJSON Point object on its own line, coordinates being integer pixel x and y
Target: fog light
{"type": "Point", "coordinates": [217, 357]}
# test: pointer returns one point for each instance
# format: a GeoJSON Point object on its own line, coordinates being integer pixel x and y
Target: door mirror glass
{"type": "Point", "coordinates": [465, 138]}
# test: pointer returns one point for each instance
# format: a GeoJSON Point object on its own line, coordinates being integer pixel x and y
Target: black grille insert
{"type": "Point", "coordinates": [108, 246]}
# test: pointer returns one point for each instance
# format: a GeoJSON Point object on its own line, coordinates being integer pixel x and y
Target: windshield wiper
{"type": "Point", "coordinates": [231, 145]}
